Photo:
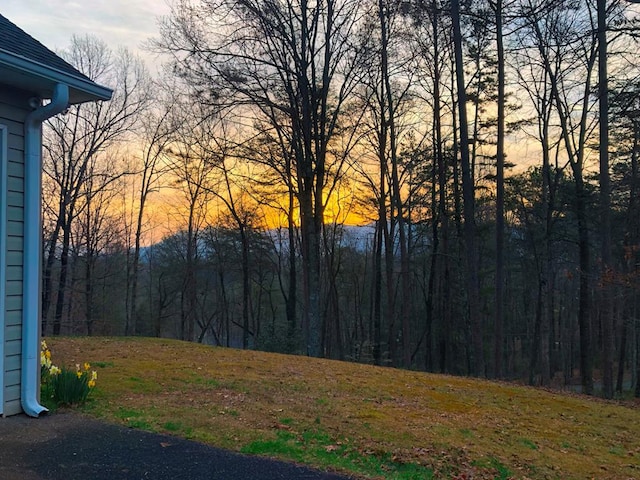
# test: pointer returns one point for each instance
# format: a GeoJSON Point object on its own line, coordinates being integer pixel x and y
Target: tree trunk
{"type": "Point", "coordinates": [499, 294]}
{"type": "Point", "coordinates": [189, 295]}
{"type": "Point", "coordinates": [47, 274]}
{"type": "Point", "coordinates": [88, 294]}
{"type": "Point", "coordinates": [131, 321]}
{"type": "Point", "coordinates": [292, 297]}
{"type": "Point", "coordinates": [377, 283]}
{"type": "Point", "coordinates": [472, 279]}
{"type": "Point", "coordinates": [621, 358]}
{"type": "Point", "coordinates": [62, 280]}
{"type": "Point", "coordinates": [388, 104]}
{"type": "Point", "coordinates": [439, 259]}
{"type": "Point", "coordinates": [606, 305]}
{"type": "Point", "coordinates": [546, 278]}
{"type": "Point", "coordinates": [245, 286]}
{"type": "Point", "coordinates": [584, 318]}
{"type": "Point", "coordinates": [311, 275]}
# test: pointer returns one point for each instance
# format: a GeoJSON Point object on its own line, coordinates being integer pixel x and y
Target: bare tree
{"type": "Point", "coordinates": [295, 59]}
{"type": "Point", "coordinates": [563, 37]}
{"type": "Point", "coordinates": [75, 140]}
{"type": "Point", "coordinates": [534, 80]}
{"type": "Point", "coordinates": [473, 283]}
{"type": "Point", "coordinates": [433, 37]}
{"type": "Point", "coordinates": [192, 163]}
{"type": "Point", "coordinates": [500, 156]}
{"type": "Point", "coordinates": [608, 333]}
{"type": "Point", "coordinates": [98, 228]}
{"type": "Point", "coordinates": [157, 130]}
{"type": "Point", "coordinates": [230, 188]}
{"type": "Point", "coordinates": [386, 98]}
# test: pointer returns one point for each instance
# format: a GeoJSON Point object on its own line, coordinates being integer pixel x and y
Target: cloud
{"type": "Point", "coordinates": [126, 23]}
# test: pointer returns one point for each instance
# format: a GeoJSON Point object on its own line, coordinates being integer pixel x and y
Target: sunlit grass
{"type": "Point", "coordinates": [371, 421]}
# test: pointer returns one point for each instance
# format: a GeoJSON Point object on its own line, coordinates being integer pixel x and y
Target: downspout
{"type": "Point", "coordinates": [32, 248]}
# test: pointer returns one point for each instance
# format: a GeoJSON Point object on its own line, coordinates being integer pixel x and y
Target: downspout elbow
{"type": "Point", "coordinates": [30, 374]}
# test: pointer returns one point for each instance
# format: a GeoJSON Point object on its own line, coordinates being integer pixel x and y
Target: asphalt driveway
{"type": "Point", "coordinates": [70, 446]}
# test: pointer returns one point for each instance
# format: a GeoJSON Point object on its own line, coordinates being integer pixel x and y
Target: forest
{"type": "Point", "coordinates": [434, 185]}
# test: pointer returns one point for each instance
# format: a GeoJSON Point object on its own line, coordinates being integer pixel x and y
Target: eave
{"type": "Point", "coordinates": [31, 76]}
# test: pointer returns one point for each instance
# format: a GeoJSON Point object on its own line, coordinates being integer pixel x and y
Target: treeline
{"type": "Point", "coordinates": [499, 227]}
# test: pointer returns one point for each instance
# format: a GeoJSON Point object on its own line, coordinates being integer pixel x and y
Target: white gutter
{"type": "Point", "coordinates": [87, 89]}
{"type": "Point", "coordinates": [32, 248]}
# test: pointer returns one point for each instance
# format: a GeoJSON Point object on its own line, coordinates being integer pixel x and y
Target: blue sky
{"type": "Point", "coordinates": [117, 22]}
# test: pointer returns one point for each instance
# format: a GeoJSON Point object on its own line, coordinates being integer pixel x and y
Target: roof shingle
{"type": "Point", "coordinates": [17, 42]}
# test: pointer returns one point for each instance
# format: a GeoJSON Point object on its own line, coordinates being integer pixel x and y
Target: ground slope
{"type": "Point", "coordinates": [377, 422]}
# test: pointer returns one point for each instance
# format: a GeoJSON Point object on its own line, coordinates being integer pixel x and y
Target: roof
{"type": "Point", "coordinates": [27, 64]}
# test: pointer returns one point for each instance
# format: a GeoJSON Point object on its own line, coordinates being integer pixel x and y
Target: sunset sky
{"type": "Point", "coordinates": [131, 23]}
{"type": "Point", "coordinates": [117, 22]}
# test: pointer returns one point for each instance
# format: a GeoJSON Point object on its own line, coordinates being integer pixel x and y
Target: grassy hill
{"type": "Point", "coordinates": [368, 421]}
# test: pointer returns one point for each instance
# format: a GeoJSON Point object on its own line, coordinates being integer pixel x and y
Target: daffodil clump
{"type": "Point", "coordinates": [64, 386]}
{"type": "Point", "coordinates": [47, 368]}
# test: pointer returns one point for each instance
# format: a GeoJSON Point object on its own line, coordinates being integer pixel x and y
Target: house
{"type": "Point", "coordinates": [35, 84]}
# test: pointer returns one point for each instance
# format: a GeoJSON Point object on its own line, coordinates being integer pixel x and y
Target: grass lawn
{"type": "Point", "coordinates": [369, 421]}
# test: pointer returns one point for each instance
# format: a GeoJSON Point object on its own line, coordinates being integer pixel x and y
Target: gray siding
{"type": "Point", "coordinates": [13, 109]}
{"type": "Point", "coordinates": [3, 254]}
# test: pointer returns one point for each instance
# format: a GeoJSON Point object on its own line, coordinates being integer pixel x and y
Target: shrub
{"type": "Point", "coordinates": [64, 386]}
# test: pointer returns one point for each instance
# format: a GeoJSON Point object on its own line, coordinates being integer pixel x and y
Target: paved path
{"type": "Point", "coordinates": [70, 446]}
